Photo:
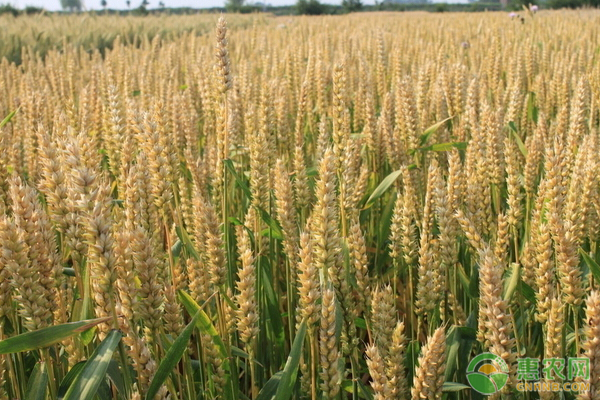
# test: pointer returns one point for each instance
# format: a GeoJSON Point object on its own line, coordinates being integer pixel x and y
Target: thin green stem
{"type": "Point", "coordinates": [45, 355]}
{"type": "Point", "coordinates": [125, 370]}
{"type": "Point", "coordinates": [575, 310]}
{"type": "Point", "coordinates": [314, 365]}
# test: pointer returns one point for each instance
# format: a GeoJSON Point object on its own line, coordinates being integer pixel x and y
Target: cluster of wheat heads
{"type": "Point", "coordinates": [319, 208]}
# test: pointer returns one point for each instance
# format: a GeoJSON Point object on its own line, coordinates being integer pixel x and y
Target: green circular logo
{"type": "Point", "coordinates": [487, 373]}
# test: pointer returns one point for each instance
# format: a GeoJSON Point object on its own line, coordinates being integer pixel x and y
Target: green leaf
{"type": "Point", "coordinates": [527, 292]}
{"type": "Point", "coordinates": [38, 383]}
{"type": "Point", "coordinates": [382, 188]}
{"type": "Point", "coordinates": [235, 221]}
{"type": "Point", "coordinates": [412, 357]}
{"type": "Point", "coordinates": [592, 265]}
{"type": "Point", "coordinates": [454, 387]}
{"type": "Point", "coordinates": [176, 248]}
{"type": "Point", "coordinates": [69, 271]}
{"type": "Point", "coordinates": [272, 223]}
{"type": "Point", "coordinates": [271, 233]}
{"type": "Point", "coordinates": [116, 376]}
{"type": "Point", "coordinates": [185, 238]}
{"type": "Point", "coordinates": [280, 386]}
{"type": "Point", "coordinates": [8, 118]}
{"type": "Point", "coordinates": [459, 341]}
{"type": "Point", "coordinates": [203, 322]}
{"type": "Point", "coordinates": [383, 228]}
{"type": "Point", "coordinates": [513, 129]}
{"type": "Point", "coordinates": [432, 129]}
{"type": "Point", "coordinates": [290, 371]}
{"type": "Point", "coordinates": [386, 219]}
{"type": "Point", "coordinates": [474, 281]}
{"type": "Point", "coordinates": [360, 323]}
{"type": "Point", "coordinates": [465, 281]}
{"type": "Point", "coordinates": [366, 393]}
{"type": "Point", "coordinates": [238, 180]}
{"type": "Point", "coordinates": [88, 381]}
{"type": "Point", "coordinates": [312, 171]}
{"type": "Point", "coordinates": [449, 146]}
{"type": "Point", "coordinates": [104, 392]}
{"type": "Point", "coordinates": [532, 110]}
{"type": "Point", "coordinates": [46, 336]}
{"type": "Point", "coordinates": [88, 336]}
{"type": "Point", "coordinates": [86, 307]}
{"type": "Point", "coordinates": [237, 352]}
{"type": "Point", "coordinates": [270, 389]}
{"type": "Point", "coordinates": [510, 285]}
{"type": "Point", "coordinates": [171, 359]}
{"type": "Point", "coordinates": [273, 315]}
{"type": "Point", "coordinates": [348, 387]}
{"type": "Point", "coordinates": [445, 146]}
{"type": "Point", "coordinates": [69, 379]}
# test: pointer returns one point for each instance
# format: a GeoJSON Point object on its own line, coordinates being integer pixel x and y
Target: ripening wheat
{"type": "Point", "coordinates": [203, 207]}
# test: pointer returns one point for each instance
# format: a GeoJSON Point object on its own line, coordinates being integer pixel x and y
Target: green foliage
{"type": "Point", "coordinates": [141, 10]}
{"type": "Point", "coordinates": [46, 337]}
{"type": "Point", "coordinates": [290, 371]}
{"type": "Point", "coordinates": [352, 5]}
{"type": "Point", "coordinates": [30, 10]}
{"type": "Point", "coordinates": [441, 7]}
{"type": "Point", "coordinates": [383, 187]}
{"type": "Point", "coordinates": [8, 9]}
{"type": "Point", "coordinates": [199, 358]}
{"type": "Point", "coordinates": [573, 3]}
{"type": "Point", "coordinates": [247, 9]}
{"type": "Point", "coordinates": [309, 7]}
{"type": "Point", "coordinates": [7, 119]}
{"type": "Point", "coordinates": [38, 383]}
{"type": "Point", "coordinates": [518, 5]}
{"type": "Point", "coordinates": [93, 373]}
{"type": "Point", "coordinates": [172, 357]}
{"type": "Point", "coordinates": [234, 5]}
{"type": "Point", "coordinates": [71, 5]}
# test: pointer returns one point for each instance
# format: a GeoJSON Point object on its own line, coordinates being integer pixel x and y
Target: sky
{"type": "Point", "coordinates": [54, 5]}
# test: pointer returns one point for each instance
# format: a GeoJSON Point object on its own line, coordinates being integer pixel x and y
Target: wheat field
{"type": "Point", "coordinates": [257, 207]}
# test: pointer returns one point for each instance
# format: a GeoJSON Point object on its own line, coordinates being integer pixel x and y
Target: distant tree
{"type": "Point", "coordinates": [573, 3]}
{"type": "Point", "coordinates": [104, 4]}
{"type": "Point", "coordinates": [234, 5]}
{"type": "Point", "coordinates": [29, 10]}
{"type": "Point", "coordinates": [141, 10]}
{"type": "Point", "coordinates": [161, 4]}
{"type": "Point", "coordinates": [8, 9]}
{"type": "Point", "coordinates": [351, 5]}
{"type": "Point", "coordinates": [517, 5]}
{"type": "Point", "coordinates": [128, 2]}
{"type": "Point", "coordinates": [441, 7]}
{"type": "Point", "coordinates": [71, 5]}
{"type": "Point", "coordinates": [309, 7]}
